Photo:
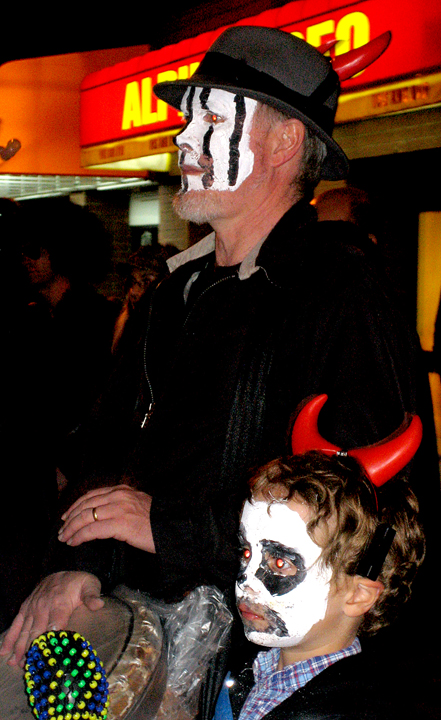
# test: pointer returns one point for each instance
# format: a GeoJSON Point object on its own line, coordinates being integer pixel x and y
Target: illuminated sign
{"type": "Point", "coordinates": [394, 97]}
{"type": "Point", "coordinates": [118, 103]}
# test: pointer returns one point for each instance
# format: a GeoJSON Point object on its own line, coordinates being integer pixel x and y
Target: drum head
{"type": "Point", "coordinates": [127, 637]}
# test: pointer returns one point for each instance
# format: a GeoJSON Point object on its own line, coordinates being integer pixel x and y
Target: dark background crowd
{"type": "Point", "coordinates": [62, 339]}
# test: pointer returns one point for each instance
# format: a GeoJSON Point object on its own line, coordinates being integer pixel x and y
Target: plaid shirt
{"type": "Point", "coordinates": [272, 686]}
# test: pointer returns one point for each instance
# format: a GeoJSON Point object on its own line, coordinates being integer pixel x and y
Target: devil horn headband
{"type": "Point", "coordinates": [350, 63]}
{"type": "Point", "coordinates": [381, 461]}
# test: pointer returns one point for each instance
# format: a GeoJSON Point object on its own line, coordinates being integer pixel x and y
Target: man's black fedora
{"type": "Point", "coordinates": [278, 69]}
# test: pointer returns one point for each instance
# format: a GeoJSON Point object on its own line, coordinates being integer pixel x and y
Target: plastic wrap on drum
{"type": "Point", "coordinates": [196, 630]}
{"type": "Point", "coordinates": [138, 642]}
{"type": "Point", "coordinates": [137, 682]}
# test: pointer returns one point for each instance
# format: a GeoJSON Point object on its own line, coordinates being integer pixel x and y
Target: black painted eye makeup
{"type": "Point", "coordinates": [281, 569]}
{"type": "Point", "coordinates": [244, 555]}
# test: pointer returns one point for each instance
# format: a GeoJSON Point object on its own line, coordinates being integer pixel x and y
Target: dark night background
{"type": "Point", "coordinates": [97, 26]}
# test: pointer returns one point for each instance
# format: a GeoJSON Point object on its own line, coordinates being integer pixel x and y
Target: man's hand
{"type": "Point", "coordinates": [117, 512]}
{"type": "Point", "coordinates": [49, 607]}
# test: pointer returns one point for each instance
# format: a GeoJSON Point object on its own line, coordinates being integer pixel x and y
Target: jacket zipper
{"type": "Point", "coordinates": [152, 405]}
{"type": "Point", "coordinates": [148, 415]}
{"type": "Point", "coordinates": [207, 289]}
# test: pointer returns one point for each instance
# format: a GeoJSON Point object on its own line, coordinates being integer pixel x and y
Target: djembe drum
{"type": "Point", "coordinates": [127, 637]}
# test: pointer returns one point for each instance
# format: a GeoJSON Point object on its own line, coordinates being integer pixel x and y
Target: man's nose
{"type": "Point", "coordinates": [182, 145]}
{"type": "Point", "coordinates": [186, 139]}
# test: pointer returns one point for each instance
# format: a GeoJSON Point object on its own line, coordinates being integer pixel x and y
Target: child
{"type": "Point", "coordinates": [326, 557]}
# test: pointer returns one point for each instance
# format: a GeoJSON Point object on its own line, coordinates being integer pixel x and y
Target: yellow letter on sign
{"type": "Point", "coordinates": [132, 107]}
{"type": "Point", "coordinates": [148, 117]}
{"type": "Point", "coordinates": [161, 105]}
{"type": "Point", "coordinates": [315, 33]}
{"type": "Point", "coordinates": [353, 31]}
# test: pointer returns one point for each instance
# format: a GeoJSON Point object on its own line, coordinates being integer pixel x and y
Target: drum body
{"type": "Point", "coordinates": [127, 637]}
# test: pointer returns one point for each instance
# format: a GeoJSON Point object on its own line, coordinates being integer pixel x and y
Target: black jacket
{"type": "Point", "coordinates": [226, 370]}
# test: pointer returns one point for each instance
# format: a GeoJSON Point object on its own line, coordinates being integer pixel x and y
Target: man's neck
{"type": "Point", "coordinates": [236, 237]}
{"type": "Point", "coordinates": [55, 290]}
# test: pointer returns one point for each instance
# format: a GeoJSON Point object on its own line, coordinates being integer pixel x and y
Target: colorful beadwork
{"type": "Point", "coordinates": [65, 679]}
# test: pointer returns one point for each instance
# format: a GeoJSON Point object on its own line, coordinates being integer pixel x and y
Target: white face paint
{"type": "Point", "coordinates": [282, 590]}
{"type": "Point", "coordinates": [214, 147]}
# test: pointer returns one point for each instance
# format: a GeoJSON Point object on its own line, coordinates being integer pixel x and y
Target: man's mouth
{"type": "Point", "coordinates": [191, 169]}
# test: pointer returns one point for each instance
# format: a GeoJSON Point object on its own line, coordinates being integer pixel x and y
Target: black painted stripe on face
{"type": "Point", "coordinates": [280, 584]}
{"type": "Point", "coordinates": [207, 159]}
{"type": "Point", "coordinates": [236, 137]}
{"type": "Point", "coordinates": [276, 626]}
{"type": "Point", "coordinates": [203, 97]}
{"type": "Point", "coordinates": [243, 545]}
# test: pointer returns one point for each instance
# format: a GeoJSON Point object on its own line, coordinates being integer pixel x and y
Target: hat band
{"type": "Point", "coordinates": [219, 69]}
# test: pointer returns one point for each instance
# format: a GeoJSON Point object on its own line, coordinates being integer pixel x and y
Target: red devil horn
{"type": "Point", "coordinates": [386, 459]}
{"type": "Point", "coordinates": [381, 461]}
{"type": "Point", "coordinates": [328, 45]}
{"type": "Point", "coordinates": [356, 60]}
{"type": "Point", "coordinates": [305, 434]}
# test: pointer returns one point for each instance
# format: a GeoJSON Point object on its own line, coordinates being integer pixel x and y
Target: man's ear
{"type": "Point", "coordinates": [362, 595]}
{"type": "Point", "coordinates": [288, 137]}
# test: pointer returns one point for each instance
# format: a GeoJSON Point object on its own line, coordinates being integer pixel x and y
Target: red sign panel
{"type": "Point", "coordinates": [118, 102]}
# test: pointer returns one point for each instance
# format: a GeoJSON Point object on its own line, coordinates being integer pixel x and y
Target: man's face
{"type": "Point", "coordinates": [282, 591]}
{"type": "Point", "coordinates": [214, 147]}
{"type": "Point", "coordinates": [38, 266]}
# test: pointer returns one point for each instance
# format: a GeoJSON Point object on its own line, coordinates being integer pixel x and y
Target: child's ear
{"type": "Point", "coordinates": [362, 595]}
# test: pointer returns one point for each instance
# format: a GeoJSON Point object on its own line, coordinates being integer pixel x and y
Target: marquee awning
{"type": "Point", "coordinates": [124, 126]}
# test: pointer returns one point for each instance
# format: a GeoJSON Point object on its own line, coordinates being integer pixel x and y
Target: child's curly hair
{"type": "Point", "coordinates": [343, 504]}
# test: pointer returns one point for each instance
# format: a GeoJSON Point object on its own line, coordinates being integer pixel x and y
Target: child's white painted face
{"type": "Point", "coordinates": [214, 146]}
{"type": "Point", "coordinates": [282, 591]}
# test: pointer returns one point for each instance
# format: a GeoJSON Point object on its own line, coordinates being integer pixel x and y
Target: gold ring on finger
{"type": "Point", "coordinates": [94, 513]}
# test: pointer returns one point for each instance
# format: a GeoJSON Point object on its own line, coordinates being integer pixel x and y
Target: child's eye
{"type": "Point", "coordinates": [281, 566]}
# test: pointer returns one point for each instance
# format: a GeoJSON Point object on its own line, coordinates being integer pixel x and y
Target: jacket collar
{"type": "Point", "coordinates": [300, 214]}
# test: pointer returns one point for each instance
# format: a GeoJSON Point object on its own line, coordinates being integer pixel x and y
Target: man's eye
{"type": "Point", "coordinates": [213, 118]}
